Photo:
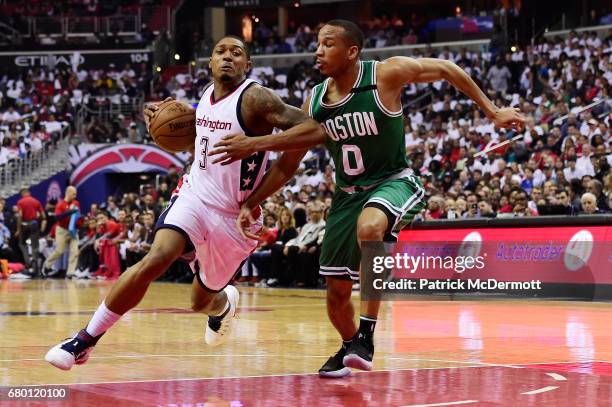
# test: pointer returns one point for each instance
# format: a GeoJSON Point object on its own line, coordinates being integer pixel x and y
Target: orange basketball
{"type": "Point", "coordinates": [173, 126]}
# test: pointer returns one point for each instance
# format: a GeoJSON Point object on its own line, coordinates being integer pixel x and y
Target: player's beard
{"type": "Point", "coordinates": [224, 77]}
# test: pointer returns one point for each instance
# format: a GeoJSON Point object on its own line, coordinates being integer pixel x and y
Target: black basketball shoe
{"type": "Point", "coordinates": [334, 367]}
{"type": "Point", "coordinates": [359, 355]}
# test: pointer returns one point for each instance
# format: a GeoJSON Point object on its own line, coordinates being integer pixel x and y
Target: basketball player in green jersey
{"type": "Point", "coordinates": [376, 195]}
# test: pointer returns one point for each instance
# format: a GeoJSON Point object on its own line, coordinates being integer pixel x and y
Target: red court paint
{"type": "Point", "coordinates": [489, 385]}
{"type": "Point", "coordinates": [594, 368]}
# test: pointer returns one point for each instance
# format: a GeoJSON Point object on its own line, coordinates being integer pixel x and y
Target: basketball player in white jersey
{"type": "Point", "coordinates": [202, 215]}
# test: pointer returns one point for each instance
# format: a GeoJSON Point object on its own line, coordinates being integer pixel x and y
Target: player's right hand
{"type": "Point", "coordinates": [244, 222]}
{"type": "Point", "coordinates": [151, 108]}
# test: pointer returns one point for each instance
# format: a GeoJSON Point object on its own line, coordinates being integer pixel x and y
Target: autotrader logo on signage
{"type": "Point", "coordinates": [578, 250]}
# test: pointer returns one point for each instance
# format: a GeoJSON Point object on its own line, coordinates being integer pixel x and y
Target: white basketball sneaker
{"type": "Point", "coordinates": [219, 327]}
{"type": "Point", "coordinates": [73, 351]}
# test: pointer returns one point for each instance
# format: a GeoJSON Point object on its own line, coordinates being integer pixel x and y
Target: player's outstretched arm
{"type": "Point", "coordinates": [395, 72]}
{"type": "Point", "coordinates": [264, 108]}
{"type": "Point", "coordinates": [281, 172]}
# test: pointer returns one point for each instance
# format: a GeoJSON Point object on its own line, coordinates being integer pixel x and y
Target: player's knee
{"type": "Point", "coordinates": [371, 231]}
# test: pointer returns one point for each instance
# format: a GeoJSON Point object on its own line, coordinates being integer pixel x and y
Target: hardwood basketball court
{"type": "Point", "coordinates": [427, 352]}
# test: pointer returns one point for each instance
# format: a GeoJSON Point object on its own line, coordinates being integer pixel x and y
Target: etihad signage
{"type": "Point", "coordinates": [16, 62]}
{"type": "Point", "coordinates": [26, 61]}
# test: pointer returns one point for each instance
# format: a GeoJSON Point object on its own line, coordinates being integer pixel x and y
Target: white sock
{"type": "Point", "coordinates": [101, 321]}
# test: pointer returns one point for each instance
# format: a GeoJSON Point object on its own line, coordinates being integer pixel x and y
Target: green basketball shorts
{"type": "Point", "coordinates": [400, 199]}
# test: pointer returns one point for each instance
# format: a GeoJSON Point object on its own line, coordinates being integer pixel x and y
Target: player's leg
{"type": "Point", "coordinates": [390, 207]}
{"type": "Point", "coordinates": [340, 308]}
{"type": "Point", "coordinates": [372, 225]}
{"type": "Point", "coordinates": [61, 238]}
{"type": "Point", "coordinates": [24, 235]}
{"type": "Point", "coordinates": [219, 258]}
{"type": "Point", "coordinates": [73, 256]}
{"type": "Point", "coordinates": [220, 306]}
{"type": "Point", "coordinates": [127, 292]}
{"type": "Point", "coordinates": [339, 264]}
{"type": "Point", "coordinates": [342, 316]}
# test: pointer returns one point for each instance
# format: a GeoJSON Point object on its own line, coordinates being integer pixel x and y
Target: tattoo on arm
{"type": "Point", "coordinates": [267, 105]}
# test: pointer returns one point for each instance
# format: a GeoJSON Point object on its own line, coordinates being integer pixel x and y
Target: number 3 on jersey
{"type": "Point", "coordinates": [204, 152]}
{"type": "Point", "coordinates": [358, 168]}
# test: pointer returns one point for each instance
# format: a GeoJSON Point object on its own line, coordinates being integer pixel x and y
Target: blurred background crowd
{"type": "Point", "coordinates": [560, 166]}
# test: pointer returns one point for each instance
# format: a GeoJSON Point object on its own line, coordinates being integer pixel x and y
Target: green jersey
{"type": "Point", "coordinates": [365, 140]}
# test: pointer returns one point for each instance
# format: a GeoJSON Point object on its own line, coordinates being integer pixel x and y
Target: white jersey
{"type": "Point", "coordinates": [222, 188]}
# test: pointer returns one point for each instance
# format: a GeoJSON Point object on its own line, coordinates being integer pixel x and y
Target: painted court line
{"type": "Point", "coordinates": [453, 361]}
{"type": "Point", "coordinates": [557, 376]}
{"type": "Point", "coordinates": [450, 403]}
{"type": "Point", "coordinates": [239, 377]}
{"type": "Point", "coordinates": [268, 355]}
{"type": "Point", "coordinates": [542, 390]}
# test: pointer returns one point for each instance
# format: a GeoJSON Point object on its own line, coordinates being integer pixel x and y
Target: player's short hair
{"type": "Point", "coordinates": [244, 44]}
{"type": "Point", "coordinates": [352, 33]}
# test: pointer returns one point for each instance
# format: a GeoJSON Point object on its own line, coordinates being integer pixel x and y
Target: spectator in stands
{"type": "Point", "coordinates": [129, 246]}
{"type": "Point", "coordinates": [148, 230]}
{"type": "Point", "coordinates": [435, 208]}
{"type": "Point", "coordinates": [271, 263]}
{"type": "Point", "coordinates": [67, 212]}
{"type": "Point", "coordinates": [31, 220]}
{"type": "Point", "coordinates": [256, 266]}
{"type": "Point", "coordinates": [499, 76]}
{"type": "Point", "coordinates": [595, 187]}
{"type": "Point", "coordinates": [6, 252]}
{"type": "Point", "coordinates": [300, 251]}
{"type": "Point", "coordinates": [11, 115]}
{"type": "Point", "coordinates": [148, 204]}
{"type": "Point", "coordinates": [472, 207]}
{"type": "Point", "coordinates": [588, 203]}
{"type": "Point", "coordinates": [110, 263]}
{"type": "Point", "coordinates": [485, 209]}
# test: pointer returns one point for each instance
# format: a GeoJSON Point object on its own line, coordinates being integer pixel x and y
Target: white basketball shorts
{"type": "Point", "coordinates": [219, 248]}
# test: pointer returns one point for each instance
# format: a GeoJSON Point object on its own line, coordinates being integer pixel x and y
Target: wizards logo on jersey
{"type": "Point", "coordinates": [213, 124]}
{"type": "Point", "coordinates": [249, 169]}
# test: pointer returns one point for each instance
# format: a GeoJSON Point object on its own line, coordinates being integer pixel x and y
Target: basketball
{"type": "Point", "coordinates": [173, 126]}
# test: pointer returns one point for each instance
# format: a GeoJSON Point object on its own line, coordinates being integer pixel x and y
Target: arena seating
{"type": "Point", "coordinates": [560, 167]}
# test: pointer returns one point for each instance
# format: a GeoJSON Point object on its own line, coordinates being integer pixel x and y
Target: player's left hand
{"type": "Point", "coordinates": [509, 118]}
{"type": "Point", "coordinates": [244, 221]}
{"type": "Point", "coordinates": [233, 147]}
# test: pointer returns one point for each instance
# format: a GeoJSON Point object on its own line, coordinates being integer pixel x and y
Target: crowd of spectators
{"type": "Point", "coordinates": [35, 106]}
{"type": "Point", "coordinates": [560, 166]}
{"type": "Point", "coordinates": [101, 242]}
{"type": "Point", "coordinates": [552, 166]}
{"type": "Point", "coordinates": [386, 30]}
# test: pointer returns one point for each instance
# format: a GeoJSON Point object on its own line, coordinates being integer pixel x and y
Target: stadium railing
{"type": "Point", "coordinates": [601, 30]}
{"type": "Point", "coordinates": [107, 112]}
{"type": "Point", "coordinates": [126, 24]}
{"type": "Point", "coordinates": [37, 165]}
